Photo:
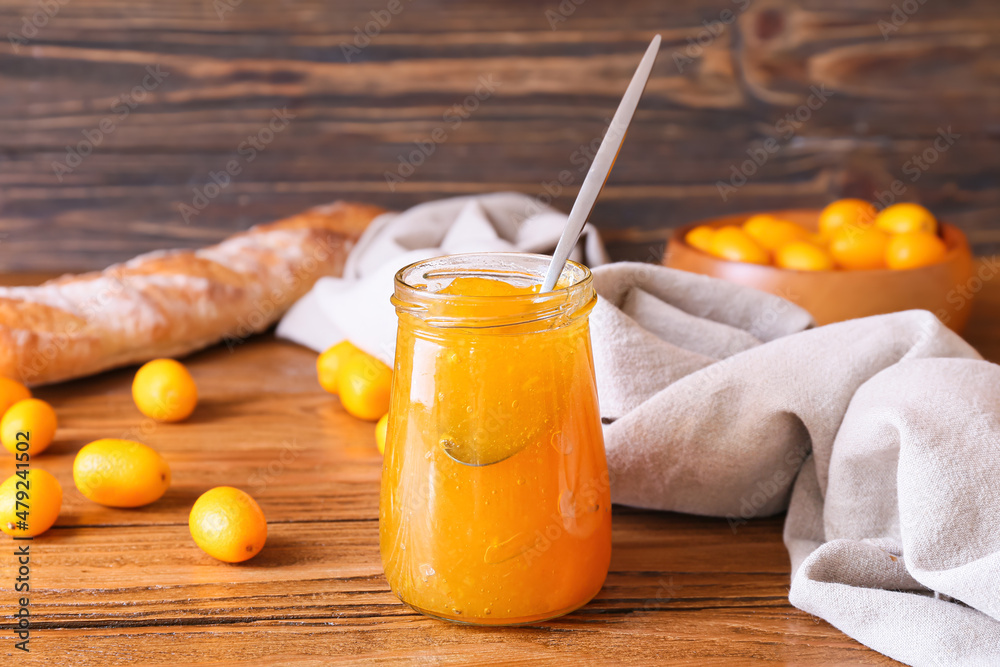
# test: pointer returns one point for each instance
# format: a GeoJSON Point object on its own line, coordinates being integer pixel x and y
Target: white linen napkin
{"type": "Point", "coordinates": [356, 306]}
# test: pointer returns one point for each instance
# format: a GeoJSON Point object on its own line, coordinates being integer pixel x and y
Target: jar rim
{"type": "Point", "coordinates": [417, 288]}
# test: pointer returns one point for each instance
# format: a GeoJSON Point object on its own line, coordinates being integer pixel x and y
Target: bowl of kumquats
{"type": "Point", "coordinates": [845, 261]}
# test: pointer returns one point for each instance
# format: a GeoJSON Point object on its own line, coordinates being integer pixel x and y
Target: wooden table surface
{"type": "Point", "coordinates": [115, 586]}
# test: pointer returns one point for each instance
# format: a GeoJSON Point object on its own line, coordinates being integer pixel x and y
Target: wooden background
{"type": "Point", "coordinates": [560, 74]}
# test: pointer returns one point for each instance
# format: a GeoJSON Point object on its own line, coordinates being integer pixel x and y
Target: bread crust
{"type": "Point", "coordinates": [170, 303]}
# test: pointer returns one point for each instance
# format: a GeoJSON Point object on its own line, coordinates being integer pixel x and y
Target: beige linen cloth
{"type": "Point", "coordinates": [880, 435]}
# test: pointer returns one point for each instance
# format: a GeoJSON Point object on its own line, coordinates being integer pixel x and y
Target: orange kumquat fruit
{"type": "Point", "coordinates": [734, 244]}
{"type": "Point", "coordinates": [381, 428]}
{"type": "Point", "coordinates": [30, 421]}
{"type": "Point", "coordinates": [700, 237]}
{"type": "Point", "coordinates": [41, 496]}
{"type": "Point", "coordinates": [365, 383]}
{"type": "Point", "coordinates": [912, 250]}
{"type": "Point", "coordinates": [902, 218]}
{"type": "Point", "coordinates": [164, 390]}
{"type": "Point", "coordinates": [803, 256]}
{"type": "Point", "coordinates": [330, 363]}
{"type": "Point", "coordinates": [845, 212]}
{"type": "Point", "coordinates": [771, 233]}
{"type": "Point", "coordinates": [228, 524]}
{"type": "Point", "coordinates": [11, 391]}
{"type": "Point", "coordinates": [859, 248]}
{"type": "Point", "coordinates": [120, 473]}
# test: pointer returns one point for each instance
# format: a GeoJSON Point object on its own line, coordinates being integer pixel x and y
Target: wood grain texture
{"type": "Point", "coordinates": [115, 586]}
{"type": "Point", "coordinates": [717, 91]}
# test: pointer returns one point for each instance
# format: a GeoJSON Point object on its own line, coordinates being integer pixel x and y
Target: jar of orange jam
{"type": "Point", "coordinates": [495, 505]}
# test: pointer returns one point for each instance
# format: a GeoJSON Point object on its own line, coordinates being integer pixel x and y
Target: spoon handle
{"type": "Point", "coordinates": [601, 167]}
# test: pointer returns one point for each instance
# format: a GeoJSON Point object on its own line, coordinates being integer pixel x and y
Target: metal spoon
{"type": "Point", "coordinates": [601, 167]}
{"type": "Point", "coordinates": [470, 455]}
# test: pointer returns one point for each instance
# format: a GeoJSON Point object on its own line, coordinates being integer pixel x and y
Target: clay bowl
{"type": "Point", "coordinates": [833, 296]}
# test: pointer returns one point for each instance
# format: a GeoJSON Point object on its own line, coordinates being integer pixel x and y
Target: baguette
{"type": "Point", "coordinates": [170, 303]}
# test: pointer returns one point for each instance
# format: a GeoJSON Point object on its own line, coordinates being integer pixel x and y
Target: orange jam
{"type": "Point", "coordinates": [495, 504]}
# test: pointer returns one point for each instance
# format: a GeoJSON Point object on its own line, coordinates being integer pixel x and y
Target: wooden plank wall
{"type": "Point", "coordinates": [894, 75]}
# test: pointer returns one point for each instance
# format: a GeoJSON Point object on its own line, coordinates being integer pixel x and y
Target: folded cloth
{"type": "Point", "coordinates": [356, 306]}
{"type": "Point", "coordinates": [880, 435]}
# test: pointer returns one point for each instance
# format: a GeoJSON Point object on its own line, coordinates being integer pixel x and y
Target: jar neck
{"type": "Point", "coordinates": [418, 296]}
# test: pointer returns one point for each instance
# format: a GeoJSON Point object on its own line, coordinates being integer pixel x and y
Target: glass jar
{"type": "Point", "coordinates": [495, 505]}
